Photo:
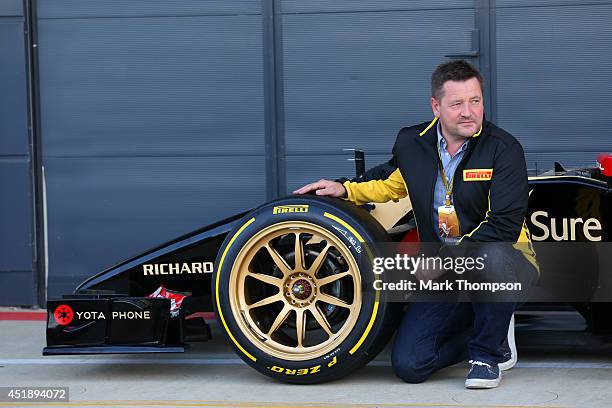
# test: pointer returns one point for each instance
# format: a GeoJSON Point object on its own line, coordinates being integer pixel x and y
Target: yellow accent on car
{"type": "Point", "coordinates": [377, 298]}
{"type": "Point", "coordinates": [523, 244]}
{"type": "Point", "coordinates": [249, 222]}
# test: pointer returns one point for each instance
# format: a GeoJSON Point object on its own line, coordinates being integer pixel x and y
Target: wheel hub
{"type": "Point", "coordinates": [300, 290]}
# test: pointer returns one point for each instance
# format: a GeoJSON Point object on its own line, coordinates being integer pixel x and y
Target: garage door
{"type": "Point", "coordinates": [554, 63]}
{"type": "Point", "coordinates": [152, 124]}
{"type": "Point", "coordinates": [17, 278]}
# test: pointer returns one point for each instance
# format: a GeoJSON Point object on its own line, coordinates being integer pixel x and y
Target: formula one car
{"type": "Point", "coordinates": [287, 288]}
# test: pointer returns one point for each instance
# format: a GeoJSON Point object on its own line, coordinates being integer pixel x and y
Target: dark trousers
{"type": "Point", "coordinates": [434, 335]}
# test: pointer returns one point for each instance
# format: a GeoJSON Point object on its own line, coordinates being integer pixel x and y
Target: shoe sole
{"type": "Point", "coordinates": [478, 383]}
{"type": "Point", "coordinates": [507, 365]}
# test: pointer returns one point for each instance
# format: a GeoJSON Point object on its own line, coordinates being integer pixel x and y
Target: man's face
{"type": "Point", "coordinates": [460, 109]}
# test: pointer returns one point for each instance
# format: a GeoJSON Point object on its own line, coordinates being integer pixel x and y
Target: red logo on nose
{"type": "Point", "coordinates": [63, 315]}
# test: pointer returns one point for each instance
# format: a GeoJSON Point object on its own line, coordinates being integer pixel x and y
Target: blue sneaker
{"type": "Point", "coordinates": [508, 349]}
{"type": "Point", "coordinates": [483, 375]}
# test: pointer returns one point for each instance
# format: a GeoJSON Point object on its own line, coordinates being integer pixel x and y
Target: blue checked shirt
{"type": "Point", "coordinates": [450, 165]}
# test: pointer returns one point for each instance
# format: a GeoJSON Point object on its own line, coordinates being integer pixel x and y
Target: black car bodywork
{"type": "Point", "coordinates": [564, 206]}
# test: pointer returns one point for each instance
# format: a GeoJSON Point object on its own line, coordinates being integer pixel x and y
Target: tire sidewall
{"type": "Point", "coordinates": [350, 225]}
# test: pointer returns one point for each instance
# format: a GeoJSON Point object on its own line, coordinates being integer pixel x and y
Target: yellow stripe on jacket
{"type": "Point", "coordinates": [377, 191]}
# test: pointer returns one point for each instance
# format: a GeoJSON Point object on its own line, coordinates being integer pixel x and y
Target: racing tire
{"type": "Point", "coordinates": [293, 289]}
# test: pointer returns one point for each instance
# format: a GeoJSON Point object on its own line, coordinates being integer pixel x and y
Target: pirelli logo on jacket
{"type": "Point", "coordinates": [477, 174]}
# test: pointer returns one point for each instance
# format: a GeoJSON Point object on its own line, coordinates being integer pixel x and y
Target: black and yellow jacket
{"type": "Point", "coordinates": [490, 190]}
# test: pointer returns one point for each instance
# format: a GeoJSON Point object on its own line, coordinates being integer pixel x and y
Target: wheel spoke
{"type": "Point", "coordinates": [266, 301]}
{"type": "Point", "coordinates": [269, 279]}
{"type": "Point", "coordinates": [280, 319]}
{"type": "Point", "coordinates": [320, 318]}
{"type": "Point", "coordinates": [278, 260]}
{"type": "Point", "coordinates": [332, 300]}
{"type": "Point", "coordinates": [299, 253]}
{"type": "Point", "coordinates": [332, 278]}
{"type": "Point", "coordinates": [314, 239]}
{"type": "Point", "coordinates": [300, 325]}
{"type": "Point", "coordinates": [316, 265]}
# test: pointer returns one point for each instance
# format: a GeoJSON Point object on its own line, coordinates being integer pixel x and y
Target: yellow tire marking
{"type": "Point", "coordinates": [249, 222]}
{"type": "Point", "coordinates": [370, 324]}
{"type": "Point", "coordinates": [345, 225]}
{"type": "Point", "coordinates": [376, 300]}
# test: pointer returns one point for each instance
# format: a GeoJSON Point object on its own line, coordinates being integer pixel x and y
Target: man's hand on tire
{"type": "Point", "coordinates": [324, 188]}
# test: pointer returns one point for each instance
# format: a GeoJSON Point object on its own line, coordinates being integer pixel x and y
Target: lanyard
{"type": "Point", "coordinates": [448, 185]}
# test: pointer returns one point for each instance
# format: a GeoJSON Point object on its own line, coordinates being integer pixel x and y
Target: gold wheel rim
{"type": "Point", "coordinates": [304, 301]}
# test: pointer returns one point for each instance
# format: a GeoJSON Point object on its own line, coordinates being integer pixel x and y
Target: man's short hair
{"type": "Point", "coordinates": [459, 70]}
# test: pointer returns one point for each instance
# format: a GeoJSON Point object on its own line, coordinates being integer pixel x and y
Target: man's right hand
{"type": "Point", "coordinates": [324, 188]}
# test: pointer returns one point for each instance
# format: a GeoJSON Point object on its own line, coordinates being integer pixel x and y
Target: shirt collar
{"type": "Point", "coordinates": [442, 141]}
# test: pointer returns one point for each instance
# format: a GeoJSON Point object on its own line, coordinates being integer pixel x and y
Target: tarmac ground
{"type": "Point", "coordinates": [560, 365]}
